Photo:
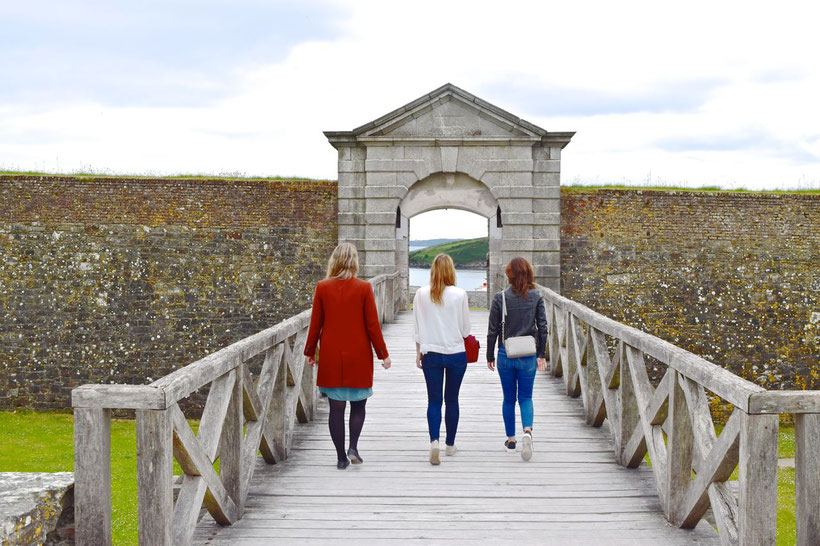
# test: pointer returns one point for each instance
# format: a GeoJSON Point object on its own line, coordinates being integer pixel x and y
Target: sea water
{"type": "Point", "coordinates": [468, 279]}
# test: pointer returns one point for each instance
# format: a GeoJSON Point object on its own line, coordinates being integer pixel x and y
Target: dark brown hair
{"type": "Point", "coordinates": [519, 273]}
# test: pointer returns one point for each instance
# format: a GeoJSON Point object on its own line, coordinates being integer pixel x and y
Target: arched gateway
{"type": "Point", "coordinates": [450, 149]}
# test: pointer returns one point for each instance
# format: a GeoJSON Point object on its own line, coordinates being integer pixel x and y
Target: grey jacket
{"type": "Point", "coordinates": [525, 317]}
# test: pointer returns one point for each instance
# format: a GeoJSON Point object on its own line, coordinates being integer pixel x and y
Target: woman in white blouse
{"type": "Point", "coordinates": [441, 318]}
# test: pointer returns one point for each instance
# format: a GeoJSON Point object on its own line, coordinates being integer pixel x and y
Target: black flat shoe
{"type": "Point", "coordinates": [355, 458]}
{"type": "Point", "coordinates": [341, 465]}
{"type": "Point", "coordinates": [510, 445]}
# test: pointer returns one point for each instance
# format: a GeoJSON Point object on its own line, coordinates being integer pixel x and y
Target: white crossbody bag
{"type": "Point", "coordinates": [518, 346]}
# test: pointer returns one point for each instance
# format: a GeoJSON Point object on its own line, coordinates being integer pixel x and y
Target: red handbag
{"type": "Point", "coordinates": [471, 346]}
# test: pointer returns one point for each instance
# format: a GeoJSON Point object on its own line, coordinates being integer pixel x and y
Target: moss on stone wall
{"type": "Point", "coordinates": [124, 280]}
{"type": "Point", "coordinates": [732, 277]}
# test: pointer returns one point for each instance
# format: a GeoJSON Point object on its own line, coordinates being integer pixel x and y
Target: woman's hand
{"type": "Point", "coordinates": [542, 364]}
{"type": "Point", "coordinates": [311, 361]}
{"type": "Point", "coordinates": [386, 363]}
{"type": "Point", "coordinates": [418, 360]}
{"type": "Point", "coordinates": [491, 365]}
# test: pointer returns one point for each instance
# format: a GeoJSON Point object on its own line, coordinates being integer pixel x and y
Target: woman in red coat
{"type": "Point", "coordinates": [346, 321]}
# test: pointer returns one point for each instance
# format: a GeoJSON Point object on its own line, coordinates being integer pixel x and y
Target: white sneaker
{"type": "Point", "coordinates": [526, 449]}
{"type": "Point", "coordinates": [434, 450]}
{"type": "Point", "coordinates": [450, 450]}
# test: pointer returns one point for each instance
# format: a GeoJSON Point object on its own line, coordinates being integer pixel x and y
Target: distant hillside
{"type": "Point", "coordinates": [470, 253]}
{"type": "Point", "coordinates": [431, 242]}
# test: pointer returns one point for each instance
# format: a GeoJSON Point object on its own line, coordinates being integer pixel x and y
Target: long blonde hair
{"type": "Point", "coordinates": [343, 263]}
{"type": "Point", "coordinates": [442, 275]}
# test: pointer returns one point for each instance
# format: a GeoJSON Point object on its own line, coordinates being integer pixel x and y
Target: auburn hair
{"type": "Point", "coordinates": [442, 275]}
{"type": "Point", "coordinates": [343, 263]}
{"type": "Point", "coordinates": [519, 273]}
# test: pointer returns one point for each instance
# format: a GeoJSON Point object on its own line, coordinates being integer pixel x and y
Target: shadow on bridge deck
{"type": "Point", "coordinates": [571, 492]}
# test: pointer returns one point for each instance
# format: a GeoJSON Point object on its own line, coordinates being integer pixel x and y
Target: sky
{"type": "Point", "coordinates": [686, 94]}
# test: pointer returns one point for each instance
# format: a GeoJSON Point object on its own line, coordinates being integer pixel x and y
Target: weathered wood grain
{"type": "Point", "coordinates": [785, 402]}
{"type": "Point", "coordinates": [807, 478]}
{"type": "Point", "coordinates": [118, 396]}
{"type": "Point", "coordinates": [155, 474]}
{"type": "Point", "coordinates": [757, 501]}
{"type": "Point", "coordinates": [92, 476]}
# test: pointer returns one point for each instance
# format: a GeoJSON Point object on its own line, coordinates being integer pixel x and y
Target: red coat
{"type": "Point", "coordinates": [345, 318]}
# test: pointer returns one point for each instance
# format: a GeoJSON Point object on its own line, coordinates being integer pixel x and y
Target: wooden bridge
{"type": "Point", "coordinates": [585, 484]}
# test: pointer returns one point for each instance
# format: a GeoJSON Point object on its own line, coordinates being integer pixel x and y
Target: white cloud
{"type": "Point", "coordinates": [636, 80]}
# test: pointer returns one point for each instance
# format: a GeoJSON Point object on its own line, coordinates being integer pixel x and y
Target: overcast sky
{"type": "Point", "coordinates": [691, 94]}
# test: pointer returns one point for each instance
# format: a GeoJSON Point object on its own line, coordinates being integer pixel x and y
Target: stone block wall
{"type": "Point", "coordinates": [37, 508]}
{"type": "Point", "coordinates": [124, 280]}
{"type": "Point", "coordinates": [733, 277]}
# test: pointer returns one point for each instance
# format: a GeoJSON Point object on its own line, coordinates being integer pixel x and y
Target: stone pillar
{"type": "Point", "coordinates": [546, 203]}
{"type": "Point", "coordinates": [352, 196]}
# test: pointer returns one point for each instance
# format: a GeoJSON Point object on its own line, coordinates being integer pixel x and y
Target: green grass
{"type": "Point", "coordinates": [44, 442]}
{"type": "Point", "coordinates": [462, 252]}
{"type": "Point", "coordinates": [153, 176]}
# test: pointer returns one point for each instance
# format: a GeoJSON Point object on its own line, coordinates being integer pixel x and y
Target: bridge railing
{"type": "Point", "coordinates": [603, 362]}
{"type": "Point", "coordinates": [241, 416]}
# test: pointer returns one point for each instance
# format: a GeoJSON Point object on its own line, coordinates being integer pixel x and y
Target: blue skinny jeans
{"type": "Point", "coordinates": [517, 377]}
{"type": "Point", "coordinates": [437, 367]}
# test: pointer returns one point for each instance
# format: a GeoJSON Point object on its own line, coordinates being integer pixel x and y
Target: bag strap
{"type": "Point", "coordinates": [503, 314]}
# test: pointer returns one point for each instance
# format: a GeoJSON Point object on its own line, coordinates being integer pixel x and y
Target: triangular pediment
{"type": "Point", "coordinates": [447, 112]}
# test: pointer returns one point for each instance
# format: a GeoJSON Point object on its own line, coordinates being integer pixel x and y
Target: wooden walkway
{"type": "Point", "coordinates": [571, 492]}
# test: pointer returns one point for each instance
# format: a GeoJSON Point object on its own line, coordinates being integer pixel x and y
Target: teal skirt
{"type": "Point", "coordinates": [347, 394]}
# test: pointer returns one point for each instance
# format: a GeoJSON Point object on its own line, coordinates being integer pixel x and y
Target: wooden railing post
{"type": "Point", "coordinates": [92, 476]}
{"type": "Point", "coordinates": [155, 473]}
{"type": "Point", "coordinates": [757, 502]}
{"type": "Point", "coordinates": [390, 304]}
{"type": "Point", "coordinates": [807, 478]}
{"type": "Point", "coordinates": [230, 455]}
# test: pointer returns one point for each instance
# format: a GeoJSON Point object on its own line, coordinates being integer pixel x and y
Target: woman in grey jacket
{"type": "Point", "coordinates": [526, 316]}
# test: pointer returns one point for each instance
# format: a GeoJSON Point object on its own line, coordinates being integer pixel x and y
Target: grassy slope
{"type": "Point", "coordinates": [462, 252]}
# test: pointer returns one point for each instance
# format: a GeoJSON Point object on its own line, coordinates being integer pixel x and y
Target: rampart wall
{"type": "Point", "coordinates": [731, 276]}
{"type": "Point", "coordinates": [123, 280]}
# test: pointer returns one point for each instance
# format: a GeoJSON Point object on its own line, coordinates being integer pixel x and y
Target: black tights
{"type": "Point", "coordinates": [336, 424]}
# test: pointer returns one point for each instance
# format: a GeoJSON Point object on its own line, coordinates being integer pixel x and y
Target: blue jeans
{"type": "Point", "coordinates": [516, 374]}
{"type": "Point", "coordinates": [436, 367]}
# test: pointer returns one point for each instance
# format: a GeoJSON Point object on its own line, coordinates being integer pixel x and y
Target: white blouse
{"type": "Point", "coordinates": [441, 328]}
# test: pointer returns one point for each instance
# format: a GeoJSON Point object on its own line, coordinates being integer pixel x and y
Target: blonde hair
{"type": "Point", "coordinates": [442, 275]}
{"type": "Point", "coordinates": [343, 263]}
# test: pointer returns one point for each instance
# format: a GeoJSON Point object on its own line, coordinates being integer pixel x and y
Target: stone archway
{"type": "Point", "coordinates": [447, 191]}
{"type": "Point", "coordinates": [451, 133]}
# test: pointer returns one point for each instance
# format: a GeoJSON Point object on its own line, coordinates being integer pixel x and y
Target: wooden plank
{"type": "Point", "coordinates": [807, 478]}
{"type": "Point", "coordinates": [118, 396]}
{"type": "Point", "coordinates": [785, 402]}
{"type": "Point", "coordinates": [757, 502]}
{"type": "Point", "coordinates": [724, 507]}
{"type": "Point", "coordinates": [717, 466]}
{"type": "Point", "coordinates": [230, 454]}
{"type": "Point", "coordinates": [205, 486]}
{"type": "Point", "coordinates": [251, 404]}
{"type": "Point", "coordinates": [92, 476]}
{"type": "Point", "coordinates": [181, 383]}
{"type": "Point", "coordinates": [155, 473]}
{"type": "Point", "coordinates": [213, 416]}
{"type": "Point", "coordinates": [265, 387]}
{"type": "Point", "coordinates": [679, 451]}
{"type": "Point", "coordinates": [655, 444]}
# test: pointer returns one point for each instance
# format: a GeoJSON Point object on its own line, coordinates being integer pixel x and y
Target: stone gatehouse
{"type": "Point", "coordinates": [451, 149]}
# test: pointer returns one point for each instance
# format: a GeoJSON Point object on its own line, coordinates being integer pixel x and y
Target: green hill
{"type": "Point", "coordinates": [467, 253]}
